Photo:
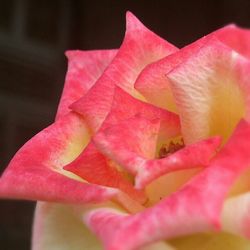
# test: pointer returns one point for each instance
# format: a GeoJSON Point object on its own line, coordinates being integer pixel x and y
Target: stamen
{"type": "Point", "coordinates": [167, 150]}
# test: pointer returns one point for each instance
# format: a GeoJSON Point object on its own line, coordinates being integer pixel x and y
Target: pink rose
{"type": "Point", "coordinates": [150, 148]}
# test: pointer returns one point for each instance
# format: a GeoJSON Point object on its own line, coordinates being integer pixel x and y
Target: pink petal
{"type": "Point", "coordinates": [130, 139]}
{"type": "Point", "coordinates": [236, 38]}
{"type": "Point", "coordinates": [59, 226]}
{"type": "Point", "coordinates": [130, 107]}
{"type": "Point", "coordinates": [184, 212]}
{"type": "Point", "coordinates": [84, 68]}
{"type": "Point", "coordinates": [152, 82]}
{"type": "Point", "coordinates": [130, 142]}
{"type": "Point", "coordinates": [36, 171]}
{"type": "Point", "coordinates": [191, 156]}
{"type": "Point", "coordinates": [139, 48]}
{"type": "Point", "coordinates": [92, 166]}
{"type": "Point", "coordinates": [130, 110]}
{"type": "Point", "coordinates": [212, 101]}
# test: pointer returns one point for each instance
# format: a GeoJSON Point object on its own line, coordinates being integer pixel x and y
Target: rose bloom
{"type": "Point", "coordinates": [150, 149]}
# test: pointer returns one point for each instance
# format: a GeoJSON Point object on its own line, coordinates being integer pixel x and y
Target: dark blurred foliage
{"type": "Point", "coordinates": [33, 38]}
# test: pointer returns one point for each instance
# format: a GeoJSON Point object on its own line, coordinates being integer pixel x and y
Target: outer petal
{"type": "Point", "coordinates": [84, 68]}
{"type": "Point", "coordinates": [186, 211]}
{"type": "Point", "coordinates": [59, 227]}
{"type": "Point", "coordinates": [36, 170]}
{"type": "Point", "coordinates": [236, 38]}
{"type": "Point", "coordinates": [152, 82]}
{"type": "Point", "coordinates": [139, 48]}
{"type": "Point", "coordinates": [56, 227]}
{"type": "Point", "coordinates": [212, 101]}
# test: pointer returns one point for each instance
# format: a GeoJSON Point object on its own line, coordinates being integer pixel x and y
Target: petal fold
{"type": "Point", "coordinates": [93, 167]}
{"type": "Point", "coordinates": [84, 68]}
{"type": "Point", "coordinates": [36, 171]}
{"type": "Point", "coordinates": [152, 82]}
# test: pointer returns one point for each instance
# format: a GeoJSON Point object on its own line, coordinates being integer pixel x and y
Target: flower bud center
{"type": "Point", "coordinates": [173, 146]}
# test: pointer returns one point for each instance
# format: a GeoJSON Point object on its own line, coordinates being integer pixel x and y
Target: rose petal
{"type": "Point", "coordinates": [139, 48]}
{"type": "Point", "coordinates": [152, 82]}
{"type": "Point", "coordinates": [132, 144]}
{"type": "Point", "coordinates": [57, 227]}
{"type": "Point", "coordinates": [109, 216]}
{"type": "Point", "coordinates": [236, 38]}
{"type": "Point", "coordinates": [95, 168]}
{"type": "Point", "coordinates": [36, 171]}
{"type": "Point", "coordinates": [84, 68]}
{"type": "Point", "coordinates": [130, 107]}
{"type": "Point", "coordinates": [126, 111]}
{"type": "Point", "coordinates": [212, 101]}
{"type": "Point", "coordinates": [131, 132]}
{"type": "Point", "coordinates": [129, 142]}
{"type": "Point", "coordinates": [191, 156]}
{"type": "Point", "coordinates": [60, 226]}
{"type": "Point", "coordinates": [184, 212]}
{"type": "Point", "coordinates": [110, 220]}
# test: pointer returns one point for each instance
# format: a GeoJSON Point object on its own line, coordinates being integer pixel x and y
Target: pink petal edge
{"type": "Point", "coordinates": [34, 172]}
{"type": "Point", "coordinates": [139, 48]}
{"type": "Point", "coordinates": [84, 68]}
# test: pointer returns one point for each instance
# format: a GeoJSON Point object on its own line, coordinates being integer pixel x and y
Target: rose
{"type": "Point", "coordinates": [113, 153]}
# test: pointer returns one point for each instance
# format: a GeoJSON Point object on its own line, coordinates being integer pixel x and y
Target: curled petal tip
{"type": "Point", "coordinates": [132, 22]}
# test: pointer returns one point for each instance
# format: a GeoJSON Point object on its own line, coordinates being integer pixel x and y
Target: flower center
{"type": "Point", "coordinates": [173, 146]}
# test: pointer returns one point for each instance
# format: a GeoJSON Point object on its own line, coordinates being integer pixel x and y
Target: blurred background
{"type": "Point", "coordinates": [33, 38]}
